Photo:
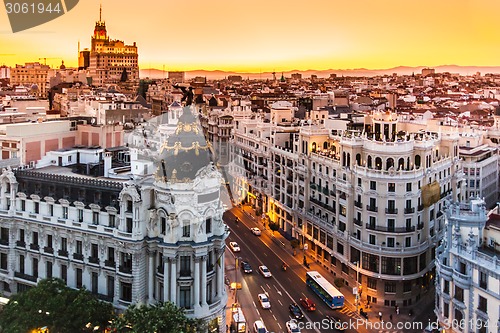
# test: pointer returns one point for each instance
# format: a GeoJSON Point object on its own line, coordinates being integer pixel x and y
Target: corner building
{"type": "Point", "coordinates": [157, 235]}
{"type": "Point", "coordinates": [366, 202]}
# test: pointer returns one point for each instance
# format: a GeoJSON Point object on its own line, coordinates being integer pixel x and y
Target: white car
{"type": "Point", "coordinates": [256, 231]}
{"type": "Point", "coordinates": [234, 247]}
{"type": "Point", "coordinates": [259, 327]}
{"type": "Point", "coordinates": [265, 271]}
{"type": "Point", "coordinates": [292, 327]}
{"type": "Point", "coordinates": [264, 301]}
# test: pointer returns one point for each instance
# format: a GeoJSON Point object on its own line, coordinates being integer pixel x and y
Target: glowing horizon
{"type": "Point", "coordinates": [264, 36]}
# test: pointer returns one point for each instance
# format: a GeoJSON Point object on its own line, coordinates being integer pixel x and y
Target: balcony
{"type": "Point", "coordinates": [358, 222]}
{"type": "Point", "coordinates": [391, 210]}
{"type": "Point", "coordinates": [389, 229]}
{"type": "Point", "coordinates": [4, 242]}
{"type": "Point", "coordinates": [25, 276]}
{"type": "Point", "coordinates": [462, 280]}
{"type": "Point", "coordinates": [78, 256]}
{"type": "Point", "coordinates": [21, 243]}
{"type": "Point", "coordinates": [35, 247]}
{"type": "Point", "coordinates": [185, 273]}
{"type": "Point", "coordinates": [420, 226]}
{"type": "Point", "coordinates": [409, 210]}
{"type": "Point", "coordinates": [371, 208]}
{"type": "Point", "coordinates": [48, 249]}
{"type": "Point", "coordinates": [358, 204]}
{"type": "Point", "coordinates": [125, 269]}
{"type": "Point", "coordinates": [420, 208]}
{"type": "Point", "coordinates": [62, 253]}
{"type": "Point", "coordinates": [110, 263]}
{"type": "Point", "coordinates": [94, 260]}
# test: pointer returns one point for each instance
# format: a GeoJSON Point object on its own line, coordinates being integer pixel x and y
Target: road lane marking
{"type": "Point", "coordinates": [277, 290]}
{"type": "Point", "coordinates": [304, 295]}
{"type": "Point", "coordinates": [279, 325]}
{"type": "Point", "coordinates": [280, 302]}
{"type": "Point", "coordinates": [321, 312]}
{"type": "Point", "coordinates": [275, 317]}
{"type": "Point", "coordinates": [268, 286]}
{"type": "Point", "coordinates": [263, 288]}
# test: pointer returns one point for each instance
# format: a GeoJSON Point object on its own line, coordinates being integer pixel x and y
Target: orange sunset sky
{"type": "Point", "coordinates": [266, 35]}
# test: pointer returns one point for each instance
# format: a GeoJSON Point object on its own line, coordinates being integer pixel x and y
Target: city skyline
{"type": "Point", "coordinates": [276, 36]}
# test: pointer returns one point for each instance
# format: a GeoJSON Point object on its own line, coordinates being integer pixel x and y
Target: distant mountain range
{"type": "Point", "coordinates": [400, 70]}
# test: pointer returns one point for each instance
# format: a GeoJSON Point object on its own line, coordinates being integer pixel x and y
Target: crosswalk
{"type": "Point", "coordinates": [350, 313]}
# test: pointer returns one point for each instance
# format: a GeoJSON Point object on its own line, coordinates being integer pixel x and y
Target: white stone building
{"type": "Point", "coordinates": [157, 236]}
{"type": "Point", "coordinates": [467, 270]}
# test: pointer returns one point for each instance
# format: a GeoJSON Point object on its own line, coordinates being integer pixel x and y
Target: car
{"type": "Point", "coordinates": [295, 311]}
{"type": "Point", "coordinates": [256, 231]}
{"type": "Point", "coordinates": [307, 304]}
{"type": "Point", "coordinates": [264, 301]}
{"type": "Point", "coordinates": [265, 271]}
{"type": "Point", "coordinates": [336, 323]}
{"type": "Point", "coordinates": [234, 247]}
{"type": "Point", "coordinates": [292, 327]}
{"type": "Point", "coordinates": [259, 327]}
{"type": "Point", "coordinates": [245, 266]}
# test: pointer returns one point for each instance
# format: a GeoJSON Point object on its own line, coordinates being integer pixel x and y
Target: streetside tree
{"type": "Point", "coordinates": [53, 305]}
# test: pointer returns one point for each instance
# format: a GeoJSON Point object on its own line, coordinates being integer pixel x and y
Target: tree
{"type": "Point", "coordinates": [274, 226]}
{"type": "Point", "coordinates": [54, 305]}
{"type": "Point", "coordinates": [158, 318]}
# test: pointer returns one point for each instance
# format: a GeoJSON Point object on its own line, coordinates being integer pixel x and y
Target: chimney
{"type": "Point", "coordinates": [107, 163]}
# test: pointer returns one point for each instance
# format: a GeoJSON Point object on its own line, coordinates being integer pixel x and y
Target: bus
{"type": "Point", "coordinates": [325, 290]}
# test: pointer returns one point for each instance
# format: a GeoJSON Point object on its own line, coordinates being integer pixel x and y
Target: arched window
{"type": "Point", "coordinates": [325, 145]}
{"type": "Point", "coordinates": [389, 163]}
{"type": "Point", "coordinates": [417, 161]}
{"type": "Point", "coordinates": [348, 162]}
{"type": "Point", "coordinates": [344, 157]}
{"type": "Point", "coordinates": [314, 147]}
{"type": "Point", "coordinates": [378, 163]}
{"type": "Point", "coordinates": [401, 164]}
{"type": "Point", "coordinates": [369, 163]}
{"type": "Point", "coordinates": [358, 159]}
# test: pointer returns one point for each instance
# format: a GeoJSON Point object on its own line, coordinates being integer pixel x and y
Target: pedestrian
{"type": "Point", "coordinates": [380, 315]}
{"type": "Point", "coordinates": [397, 310]}
{"type": "Point", "coordinates": [390, 317]}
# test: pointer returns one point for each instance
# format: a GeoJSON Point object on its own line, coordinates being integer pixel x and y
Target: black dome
{"type": "Point", "coordinates": [186, 151]}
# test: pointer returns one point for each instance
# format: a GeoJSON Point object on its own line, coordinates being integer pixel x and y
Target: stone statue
{"type": "Point", "coordinates": [188, 94]}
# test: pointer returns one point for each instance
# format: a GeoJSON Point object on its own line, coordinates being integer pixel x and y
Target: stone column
{"type": "Point", "coordinates": [165, 278]}
{"type": "Point", "coordinates": [204, 281]}
{"type": "Point", "coordinates": [220, 274]}
{"type": "Point", "coordinates": [173, 280]}
{"type": "Point", "coordinates": [151, 276]}
{"type": "Point", "coordinates": [196, 300]}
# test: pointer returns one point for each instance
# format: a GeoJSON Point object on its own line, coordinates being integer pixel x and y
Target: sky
{"type": "Point", "coordinates": [271, 35]}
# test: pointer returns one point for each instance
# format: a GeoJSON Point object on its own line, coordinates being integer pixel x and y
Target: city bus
{"type": "Point", "coordinates": [325, 290]}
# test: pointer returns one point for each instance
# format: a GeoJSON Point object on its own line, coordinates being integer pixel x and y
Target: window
{"type": "Point", "coordinates": [185, 269]}
{"type": "Point", "coordinates": [51, 210]}
{"type": "Point", "coordinates": [185, 297]}
{"type": "Point", "coordinates": [79, 277]}
{"type": "Point", "coordinates": [163, 224]}
{"type": "Point", "coordinates": [446, 309]}
{"type": "Point", "coordinates": [94, 251]}
{"type": "Point", "coordinates": [21, 235]}
{"type": "Point", "coordinates": [34, 240]}
{"type": "Point", "coordinates": [459, 294]}
{"type": "Point", "coordinates": [94, 281]}
{"type": "Point", "coordinates": [373, 185]}
{"type": "Point", "coordinates": [340, 248]}
{"type": "Point", "coordinates": [208, 225]}
{"type": "Point", "coordinates": [482, 304]}
{"type": "Point", "coordinates": [129, 224]}
{"type": "Point", "coordinates": [406, 286]}
{"type": "Point", "coordinates": [391, 224]}
{"type": "Point", "coordinates": [3, 261]}
{"type": "Point", "coordinates": [23, 205]}
{"type": "Point", "coordinates": [79, 247]}
{"type": "Point", "coordinates": [483, 280]}
{"type": "Point", "coordinates": [372, 283]}
{"type": "Point", "coordinates": [390, 241]}
{"type": "Point", "coordinates": [111, 254]}
{"type": "Point", "coordinates": [110, 286]}
{"type": "Point", "coordinates": [408, 187]}
{"type": "Point", "coordinates": [37, 207]}
{"type": "Point", "coordinates": [186, 230]}
{"type": "Point", "coordinates": [64, 273]}
{"type": "Point", "coordinates": [65, 213]}
{"type": "Point", "coordinates": [64, 244]}
{"type": "Point", "coordinates": [95, 217]}
{"type": "Point", "coordinates": [126, 263]}
{"type": "Point", "coordinates": [80, 215]}
{"type": "Point", "coordinates": [372, 239]}
{"type": "Point", "coordinates": [390, 287]}
{"type": "Point", "coordinates": [407, 241]}
{"type": "Point", "coordinates": [49, 241]}
{"type": "Point", "coordinates": [21, 264]}
{"type": "Point", "coordinates": [48, 269]}
{"type": "Point", "coordinates": [126, 291]}
{"type": "Point", "coordinates": [459, 316]}
{"type": "Point", "coordinates": [391, 187]}
{"type": "Point", "coordinates": [112, 219]}
{"type": "Point", "coordinates": [446, 287]}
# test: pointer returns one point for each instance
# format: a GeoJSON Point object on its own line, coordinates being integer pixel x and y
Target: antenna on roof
{"type": "Point", "coordinates": [100, 12]}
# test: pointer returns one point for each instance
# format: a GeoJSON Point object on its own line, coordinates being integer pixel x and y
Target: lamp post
{"type": "Point", "coordinates": [235, 279]}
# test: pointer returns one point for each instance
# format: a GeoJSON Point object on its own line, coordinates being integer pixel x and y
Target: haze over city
{"type": "Point", "coordinates": [255, 36]}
